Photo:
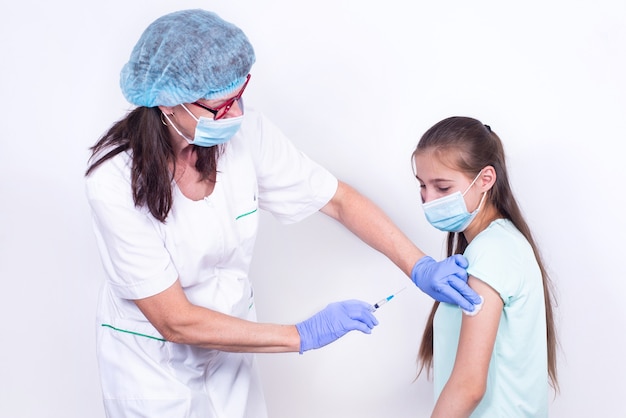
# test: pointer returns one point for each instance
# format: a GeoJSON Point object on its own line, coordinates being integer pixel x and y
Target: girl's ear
{"type": "Point", "coordinates": [487, 178]}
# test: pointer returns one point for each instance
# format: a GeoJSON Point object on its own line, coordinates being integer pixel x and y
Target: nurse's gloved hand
{"type": "Point", "coordinates": [445, 281]}
{"type": "Point", "coordinates": [333, 322]}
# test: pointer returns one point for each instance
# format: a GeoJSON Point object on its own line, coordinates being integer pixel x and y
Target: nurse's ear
{"type": "Point", "coordinates": [487, 178]}
{"type": "Point", "coordinates": [168, 110]}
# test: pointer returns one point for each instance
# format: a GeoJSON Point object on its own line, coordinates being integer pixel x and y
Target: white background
{"type": "Point", "coordinates": [354, 84]}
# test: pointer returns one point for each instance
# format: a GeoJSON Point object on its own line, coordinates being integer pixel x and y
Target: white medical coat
{"type": "Point", "coordinates": [208, 246]}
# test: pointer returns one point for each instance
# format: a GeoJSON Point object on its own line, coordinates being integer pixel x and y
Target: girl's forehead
{"type": "Point", "coordinates": [433, 162]}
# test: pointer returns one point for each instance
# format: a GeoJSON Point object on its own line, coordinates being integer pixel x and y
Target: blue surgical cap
{"type": "Point", "coordinates": [185, 56]}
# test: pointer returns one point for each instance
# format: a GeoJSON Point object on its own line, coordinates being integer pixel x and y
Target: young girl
{"type": "Point", "coordinates": [498, 362]}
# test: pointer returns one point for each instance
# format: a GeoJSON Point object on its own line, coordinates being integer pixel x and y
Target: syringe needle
{"type": "Point", "coordinates": [385, 300]}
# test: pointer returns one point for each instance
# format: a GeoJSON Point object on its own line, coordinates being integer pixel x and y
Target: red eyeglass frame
{"type": "Point", "coordinates": [221, 111]}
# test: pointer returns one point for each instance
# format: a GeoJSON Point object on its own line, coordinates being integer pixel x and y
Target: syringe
{"type": "Point", "coordinates": [385, 300]}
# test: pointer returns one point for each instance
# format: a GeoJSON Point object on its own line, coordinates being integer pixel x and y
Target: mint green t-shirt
{"type": "Point", "coordinates": [517, 383]}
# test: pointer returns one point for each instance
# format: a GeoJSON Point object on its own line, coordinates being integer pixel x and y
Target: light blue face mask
{"type": "Point", "coordinates": [210, 132]}
{"type": "Point", "coordinates": [449, 213]}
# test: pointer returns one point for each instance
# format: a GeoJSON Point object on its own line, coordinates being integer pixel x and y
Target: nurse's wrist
{"type": "Point", "coordinates": [296, 344]}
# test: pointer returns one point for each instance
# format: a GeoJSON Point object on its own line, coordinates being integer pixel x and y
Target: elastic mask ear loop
{"type": "Point", "coordinates": [482, 199]}
{"type": "Point", "coordinates": [472, 183]}
{"type": "Point", "coordinates": [175, 128]}
{"type": "Point", "coordinates": [190, 114]}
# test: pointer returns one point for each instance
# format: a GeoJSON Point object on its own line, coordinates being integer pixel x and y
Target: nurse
{"type": "Point", "coordinates": [175, 189]}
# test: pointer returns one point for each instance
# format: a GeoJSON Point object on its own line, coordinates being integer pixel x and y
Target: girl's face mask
{"type": "Point", "coordinates": [449, 213]}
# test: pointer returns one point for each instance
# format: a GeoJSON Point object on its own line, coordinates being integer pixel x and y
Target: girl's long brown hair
{"type": "Point", "coordinates": [142, 133]}
{"type": "Point", "coordinates": [477, 146]}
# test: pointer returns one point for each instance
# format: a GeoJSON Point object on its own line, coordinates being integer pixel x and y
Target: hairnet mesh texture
{"type": "Point", "coordinates": [185, 56]}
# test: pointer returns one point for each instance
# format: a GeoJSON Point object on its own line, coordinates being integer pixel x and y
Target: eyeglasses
{"type": "Point", "coordinates": [221, 111]}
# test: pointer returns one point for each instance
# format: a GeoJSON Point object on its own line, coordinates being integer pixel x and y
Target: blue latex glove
{"type": "Point", "coordinates": [445, 281]}
{"type": "Point", "coordinates": [334, 321]}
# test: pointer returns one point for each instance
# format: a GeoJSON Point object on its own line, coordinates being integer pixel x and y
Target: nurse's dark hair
{"type": "Point", "coordinates": [467, 145]}
{"type": "Point", "coordinates": [142, 133]}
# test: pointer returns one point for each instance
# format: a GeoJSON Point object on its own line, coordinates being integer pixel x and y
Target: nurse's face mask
{"type": "Point", "coordinates": [449, 213]}
{"type": "Point", "coordinates": [218, 130]}
{"type": "Point", "coordinates": [210, 132]}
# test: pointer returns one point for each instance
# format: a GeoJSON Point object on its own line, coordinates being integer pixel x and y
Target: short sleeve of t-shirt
{"type": "Point", "coordinates": [499, 256]}
{"type": "Point", "coordinates": [291, 185]}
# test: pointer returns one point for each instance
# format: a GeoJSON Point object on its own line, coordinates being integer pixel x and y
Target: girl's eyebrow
{"type": "Point", "coordinates": [438, 182]}
{"type": "Point", "coordinates": [435, 181]}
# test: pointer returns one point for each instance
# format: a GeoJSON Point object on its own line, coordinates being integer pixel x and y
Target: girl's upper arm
{"type": "Point", "coordinates": [478, 335]}
{"type": "Point", "coordinates": [468, 381]}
